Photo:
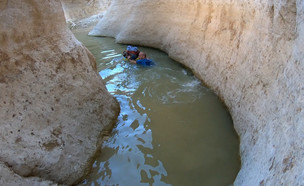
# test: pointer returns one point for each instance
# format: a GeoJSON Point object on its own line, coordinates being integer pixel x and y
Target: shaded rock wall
{"type": "Point", "coordinates": [80, 9]}
{"type": "Point", "coordinates": [54, 107]}
{"type": "Point", "coordinates": [84, 13]}
{"type": "Point", "coordinates": [250, 53]}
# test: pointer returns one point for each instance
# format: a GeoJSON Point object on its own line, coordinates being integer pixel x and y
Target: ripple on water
{"type": "Point", "coordinates": [171, 129]}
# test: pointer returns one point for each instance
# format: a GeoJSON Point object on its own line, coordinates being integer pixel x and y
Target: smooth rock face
{"type": "Point", "coordinates": [80, 9]}
{"type": "Point", "coordinates": [250, 53]}
{"type": "Point", "coordinates": [54, 108]}
{"type": "Point", "coordinates": [84, 13]}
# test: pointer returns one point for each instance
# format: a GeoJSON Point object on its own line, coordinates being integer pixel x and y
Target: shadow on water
{"type": "Point", "coordinates": [171, 129]}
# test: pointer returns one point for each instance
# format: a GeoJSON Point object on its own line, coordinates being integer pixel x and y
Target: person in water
{"type": "Point", "coordinates": [141, 60]}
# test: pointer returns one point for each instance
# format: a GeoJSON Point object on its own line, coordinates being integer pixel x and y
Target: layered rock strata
{"type": "Point", "coordinates": [251, 53]}
{"type": "Point", "coordinates": [54, 108]}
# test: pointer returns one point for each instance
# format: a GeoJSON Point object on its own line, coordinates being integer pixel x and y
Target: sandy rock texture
{"type": "Point", "coordinates": [9, 178]}
{"type": "Point", "coordinates": [54, 107]}
{"type": "Point", "coordinates": [251, 53]}
{"type": "Point", "coordinates": [84, 13]}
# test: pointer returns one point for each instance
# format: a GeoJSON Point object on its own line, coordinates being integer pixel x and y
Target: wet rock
{"type": "Point", "coordinates": [54, 108]}
{"type": "Point", "coordinates": [250, 53]}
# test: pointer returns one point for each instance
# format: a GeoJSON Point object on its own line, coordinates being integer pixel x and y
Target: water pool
{"type": "Point", "coordinates": [172, 130]}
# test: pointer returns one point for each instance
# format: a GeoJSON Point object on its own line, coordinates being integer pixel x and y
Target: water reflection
{"type": "Point", "coordinates": [131, 161]}
{"type": "Point", "coordinates": [171, 129]}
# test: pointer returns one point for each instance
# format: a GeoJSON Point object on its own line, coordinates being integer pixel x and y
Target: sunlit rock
{"type": "Point", "coordinates": [250, 53]}
{"type": "Point", "coordinates": [54, 108]}
{"type": "Point", "coordinates": [84, 13]}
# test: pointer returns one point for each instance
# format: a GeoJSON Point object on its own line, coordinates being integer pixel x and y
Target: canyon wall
{"type": "Point", "coordinates": [251, 53]}
{"type": "Point", "coordinates": [84, 13]}
{"type": "Point", "coordinates": [54, 108]}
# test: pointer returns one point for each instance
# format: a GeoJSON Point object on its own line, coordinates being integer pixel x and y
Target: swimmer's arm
{"type": "Point", "coordinates": [131, 60]}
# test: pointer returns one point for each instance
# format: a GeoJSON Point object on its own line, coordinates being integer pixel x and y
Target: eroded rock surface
{"type": "Point", "coordinates": [84, 13]}
{"type": "Point", "coordinates": [54, 107]}
{"type": "Point", "coordinates": [8, 178]}
{"type": "Point", "coordinates": [251, 53]}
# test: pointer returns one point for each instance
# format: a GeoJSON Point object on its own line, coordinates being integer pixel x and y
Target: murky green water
{"type": "Point", "coordinates": [171, 129]}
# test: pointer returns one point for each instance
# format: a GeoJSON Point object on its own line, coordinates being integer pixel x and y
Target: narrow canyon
{"type": "Point", "coordinates": [55, 108]}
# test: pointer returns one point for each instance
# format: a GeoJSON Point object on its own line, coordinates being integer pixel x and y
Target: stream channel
{"type": "Point", "coordinates": [172, 130]}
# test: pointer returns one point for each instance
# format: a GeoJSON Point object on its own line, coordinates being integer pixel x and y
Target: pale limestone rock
{"type": "Point", "coordinates": [84, 13]}
{"type": "Point", "coordinates": [250, 53]}
{"type": "Point", "coordinates": [54, 108]}
{"type": "Point", "coordinates": [9, 178]}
